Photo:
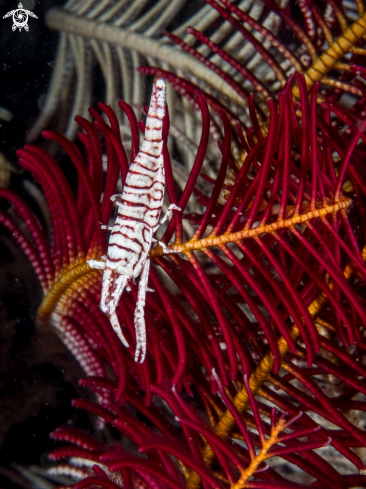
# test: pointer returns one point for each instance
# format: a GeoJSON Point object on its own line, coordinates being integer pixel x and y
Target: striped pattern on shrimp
{"type": "Point", "coordinates": [139, 209]}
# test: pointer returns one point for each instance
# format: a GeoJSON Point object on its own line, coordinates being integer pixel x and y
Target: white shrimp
{"type": "Point", "coordinates": [139, 209]}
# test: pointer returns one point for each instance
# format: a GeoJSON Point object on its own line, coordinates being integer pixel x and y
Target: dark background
{"type": "Point", "coordinates": [26, 61]}
{"type": "Point", "coordinates": [35, 388]}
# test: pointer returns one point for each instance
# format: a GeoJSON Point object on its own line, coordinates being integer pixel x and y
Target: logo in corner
{"type": "Point", "coordinates": [20, 17]}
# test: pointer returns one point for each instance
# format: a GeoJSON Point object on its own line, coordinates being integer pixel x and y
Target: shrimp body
{"type": "Point", "coordinates": [139, 209]}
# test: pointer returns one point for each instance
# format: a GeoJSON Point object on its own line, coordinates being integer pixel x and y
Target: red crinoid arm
{"type": "Point", "coordinates": [77, 160]}
{"type": "Point", "coordinates": [115, 137]}
{"type": "Point", "coordinates": [176, 407]}
{"type": "Point", "coordinates": [318, 467]}
{"type": "Point", "coordinates": [318, 281]}
{"type": "Point", "coordinates": [347, 118]}
{"type": "Point", "coordinates": [336, 274]}
{"type": "Point", "coordinates": [183, 455]}
{"type": "Point", "coordinates": [114, 168]}
{"type": "Point", "coordinates": [295, 28]}
{"type": "Point", "coordinates": [98, 384]}
{"type": "Point", "coordinates": [189, 49]}
{"type": "Point", "coordinates": [322, 404]}
{"type": "Point", "coordinates": [239, 421]}
{"type": "Point", "coordinates": [270, 336]}
{"type": "Point", "coordinates": [68, 242]}
{"type": "Point", "coordinates": [305, 140]}
{"type": "Point", "coordinates": [275, 485]}
{"type": "Point", "coordinates": [135, 133]}
{"type": "Point", "coordinates": [212, 295]}
{"type": "Point", "coordinates": [78, 343]}
{"type": "Point", "coordinates": [139, 432]}
{"type": "Point", "coordinates": [97, 326]}
{"type": "Point", "coordinates": [338, 145]}
{"type": "Point", "coordinates": [97, 481]}
{"type": "Point", "coordinates": [266, 55]}
{"type": "Point", "coordinates": [77, 437]}
{"type": "Point", "coordinates": [309, 402]}
{"type": "Point", "coordinates": [187, 88]}
{"type": "Point", "coordinates": [313, 146]}
{"type": "Point", "coordinates": [94, 152]}
{"type": "Point", "coordinates": [219, 181]}
{"type": "Point", "coordinates": [31, 252]}
{"type": "Point", "coordinates": [209, 350]}
{"type": "Point", "coordinates": [197, 165]}
{"type": "Point", "coordinates": [255, 284]}
{"type": "Point", "coordinates": [41, 161]}
{"type": "Point", "coordinates": [93, 149]}
{"type": "Point", "coordinates": [345, 359]}
{"type": "Point", "coordinates": [169, 180]}
{"type": "Point", "coordinates": [173, 319]}
{"type": "Point", "coordinates": [73, 451]}
{"type": "Point", "coordinates": [152, 413]}
{"type": "Point", "coordinates": [282, 48]}
{"type": "Point", "coordinates": [143, 466]}
{"type": "Point", "coordinates": [253, 116]}
{"type": "Point", "coordinates": [37, 233]}
{"type": "Point", "coordinates": [93, 407]}
{"type": "Point", "coordinates": [126, 476]}
{"type": "Point", "coordinates": [346, 160]}
{"type": "Point", "coordinates": [295, 305]}
{"type": "Point", "coordinates": [343, 374]}
{"type": "Point", "coordinates": [240, 68]}
{"type": "Point", "coordinates": [222, 451]}
{"type": "Point", "coordinates": [270, 149]}
{"type": "Point", "coordinates": [285, 156]}
{"type": "Point", "coordinates": [63, 243]}
{"type": "Point", "coordinates": [225, 222]}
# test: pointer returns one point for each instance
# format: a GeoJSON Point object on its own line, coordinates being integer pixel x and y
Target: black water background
{"type": "Point", "coordinates": [35, 392]}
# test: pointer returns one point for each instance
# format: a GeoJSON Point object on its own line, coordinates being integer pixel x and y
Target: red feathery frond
{"type": "Point", "coordinates": [267, 299]}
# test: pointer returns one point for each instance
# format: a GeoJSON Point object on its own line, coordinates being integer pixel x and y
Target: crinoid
{"type": "Point", "coordinates": [255, 331]}
{"type": "Point", "coordinates": [232, 49]}
{"type": "Point", "coordinates": [116, 38]}
{"type": "Point", "coordinates": [256, 325]}
{"type": "Point", "coordinates": [243, 44]}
